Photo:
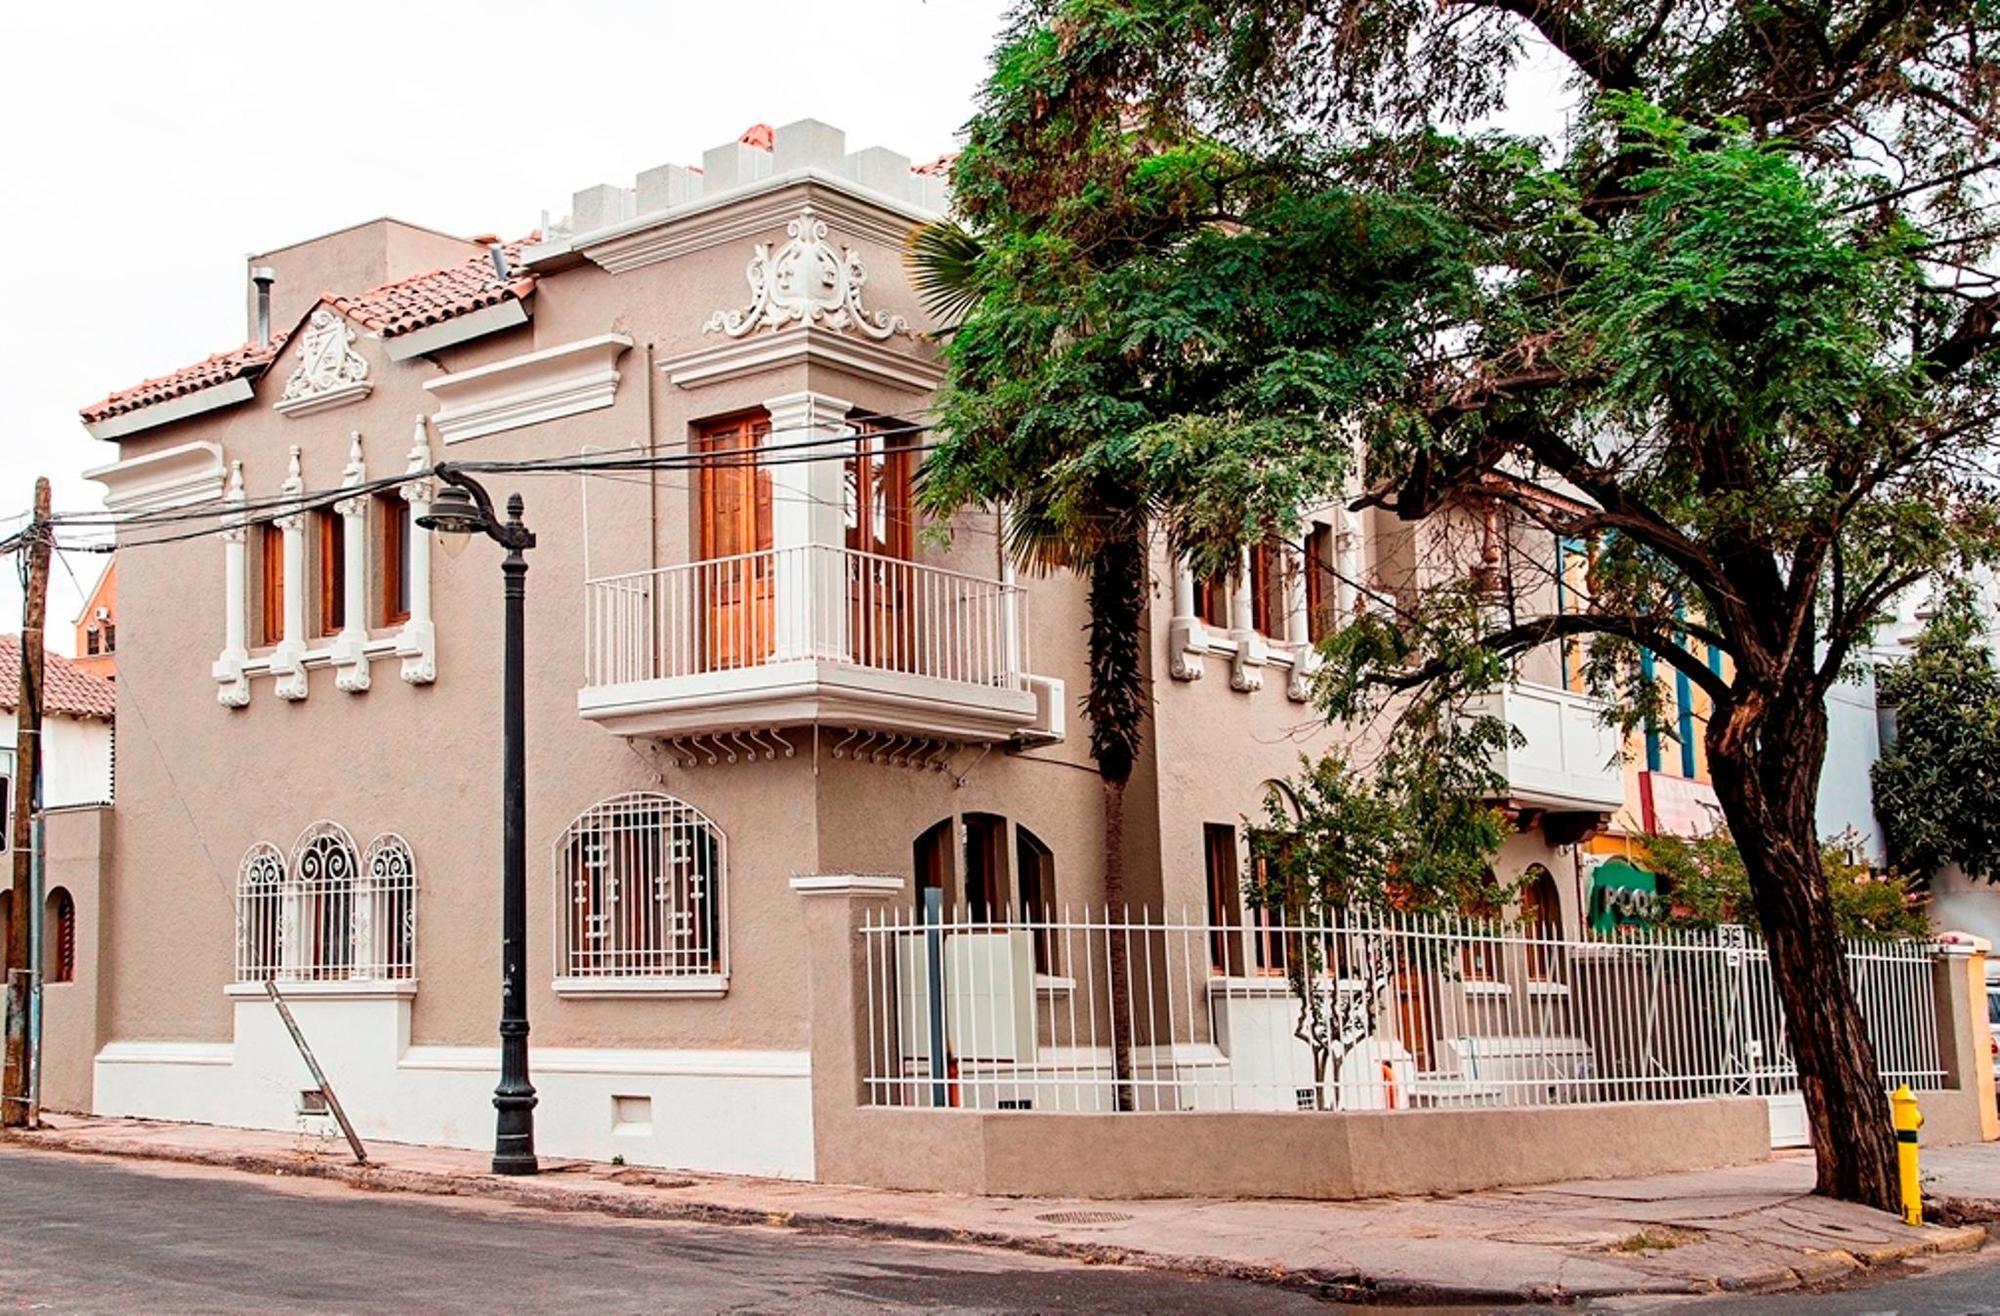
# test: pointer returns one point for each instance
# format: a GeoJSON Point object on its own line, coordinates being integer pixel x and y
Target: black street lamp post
{"type": "Point", "coordinates": [463, 508]}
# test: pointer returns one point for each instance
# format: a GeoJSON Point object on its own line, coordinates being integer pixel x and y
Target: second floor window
{"type": "Point", "coordinates": [396, 531]}
{"type": "Point", "coordinates": [736, 587]}
{"type": "Point", "coordinates": [332, 528]}
{"type": "Point", "coordinates": [271, 583]}
{"type": "Point", "coordinates": [1321, 593]}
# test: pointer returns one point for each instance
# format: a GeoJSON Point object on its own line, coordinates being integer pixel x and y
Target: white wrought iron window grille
{"type": "Point", "coordinates": [328, 915]}
{"type": "Point", "coordinates": [641, 883]}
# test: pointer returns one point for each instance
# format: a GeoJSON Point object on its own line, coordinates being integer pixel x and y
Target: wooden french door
{"type": "Point", "coordinates": [736, 586]}
{"type": "Point", "coordinates": [881, 522]}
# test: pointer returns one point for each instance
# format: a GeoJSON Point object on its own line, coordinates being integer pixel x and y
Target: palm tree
{"type": "Point", "coordinates": [1107, 546]}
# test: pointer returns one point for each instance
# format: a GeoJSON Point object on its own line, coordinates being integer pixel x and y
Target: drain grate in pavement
{"type": "Point", "coordinates": [1083, 1217]}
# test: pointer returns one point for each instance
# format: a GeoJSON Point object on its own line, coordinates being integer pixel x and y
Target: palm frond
{"type": "Point", "coordinates": [943, 261]}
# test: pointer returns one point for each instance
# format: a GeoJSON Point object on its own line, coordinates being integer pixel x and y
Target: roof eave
{"type": "Point", "coordinates": [215, 396]}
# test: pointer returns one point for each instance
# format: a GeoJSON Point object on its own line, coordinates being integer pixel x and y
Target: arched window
{"type": "Point", "coordinates": [260, 913]}
{"type": "Point", "coordinates": [59, 937]}
{"type": "Point", "coordinates": [387, 939]}
{"type": "Point", "coordinates": [1541, 917]}
{"type": "Point", "coordinates": [1035, 884]}
{"type": "Point", "coordinates": [644, 878]}
{"type": "Point", "coordinates": [324, 874]}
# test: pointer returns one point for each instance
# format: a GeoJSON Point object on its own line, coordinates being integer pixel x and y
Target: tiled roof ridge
{"type": "Point", "coordinates": [389, 309]}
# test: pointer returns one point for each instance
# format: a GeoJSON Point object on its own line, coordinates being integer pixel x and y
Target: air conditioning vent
{"type": "Point", "coordinates": [1051, 712]}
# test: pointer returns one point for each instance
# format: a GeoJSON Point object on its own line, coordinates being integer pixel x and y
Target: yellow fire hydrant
{"type": "Point", "coordinates": [1908, 1119]}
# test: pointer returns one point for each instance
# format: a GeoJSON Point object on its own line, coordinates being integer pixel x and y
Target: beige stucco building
{"type": "Point", "coordinates": [752, 676]}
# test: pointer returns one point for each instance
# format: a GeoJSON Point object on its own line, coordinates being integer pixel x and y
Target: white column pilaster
{"type": "Point", "coordinates": [350, 647]}
{"type": "Point", "coordinates": [1347, 555]}
{"type": "Point", "coordinates": [234, 685]}
{"type": "Point", "coordinates": [808, 528]}
{"type": "Point", "coordinates": [1245, 671]}
{"type": "Point", "coordinates": [1298, 626]}
{"type": "Point", "coordinates": [1187, 638]}
{"type": "Point", "coordinates": [288, 659]}
{"type": "Point", "coordinates": [416, 643]}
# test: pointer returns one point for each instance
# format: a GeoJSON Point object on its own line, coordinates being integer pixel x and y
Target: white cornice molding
{"type": "Point", "coordinates": [459, 329]}
{"type": "Point", "coordinates": [527, 390]}
{"type": "Point", "coordinates": [749, 211]}
{"type": "Point", "coordinates": [172, 477]}
{"type": "Point", "coordinates": [226, 394]}
{"type": "Point", "coordinates": [809, 343]}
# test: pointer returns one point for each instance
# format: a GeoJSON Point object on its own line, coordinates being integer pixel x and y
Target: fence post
{"type": "Point", "coordinates": [837, 906]}
{"type": "Point", "coordinates": [1964, 1051]}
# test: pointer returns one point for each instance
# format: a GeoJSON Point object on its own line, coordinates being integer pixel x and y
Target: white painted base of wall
{"type": "Point", "coordinates": [733, 1112]}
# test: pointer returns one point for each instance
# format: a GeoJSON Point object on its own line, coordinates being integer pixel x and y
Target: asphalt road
{"type": "Point", "coordinates": [1951, 1286]}
{"type": "Point", "coordinates": [84, 1235]}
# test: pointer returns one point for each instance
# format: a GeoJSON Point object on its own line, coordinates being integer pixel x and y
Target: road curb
{"type": "Point", "coordinates": [554, 1195]}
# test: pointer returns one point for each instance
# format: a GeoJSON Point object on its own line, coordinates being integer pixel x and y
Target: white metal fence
{"type": "Point", "coordinates": [1407, 1012]}
{"type": "Point", "coordinates": [808, 601]}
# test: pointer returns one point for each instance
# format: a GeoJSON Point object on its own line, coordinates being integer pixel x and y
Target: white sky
{"type": "Point", "coordinates": [149, 146]}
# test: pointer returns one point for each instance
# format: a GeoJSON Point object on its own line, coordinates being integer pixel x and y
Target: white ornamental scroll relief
{"type": "Point", "coordinates": [806, 282]}
{"type": "Point", "coordinates": [329, 369]}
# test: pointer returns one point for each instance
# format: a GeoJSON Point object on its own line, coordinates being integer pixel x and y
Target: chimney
{"type": "Point", "coordinates": [499, 255]}
{"type": "Point", "coordinates": [263, 276]}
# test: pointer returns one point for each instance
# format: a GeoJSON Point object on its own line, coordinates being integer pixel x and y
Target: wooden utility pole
{"type": "Point", "coordinates": [16, 1110]}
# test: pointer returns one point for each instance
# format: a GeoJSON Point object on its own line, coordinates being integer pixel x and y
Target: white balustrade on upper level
{"type": "Point", "coordinates": [807, 634]}
{"type": "Point", "coordinates": [1567, 756]}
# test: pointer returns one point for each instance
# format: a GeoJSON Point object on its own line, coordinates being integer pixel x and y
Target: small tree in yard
{"type": "Point", "coordinates": [1937, 784]}
{"type": "Point", "coordinates": [1409, 836]}
{"type": "Point", "coordinates": [1707, 885]}
{"type": "Point", "coordinates": [1741, 317]}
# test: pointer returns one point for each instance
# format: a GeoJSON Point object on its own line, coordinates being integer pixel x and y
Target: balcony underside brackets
{"type": "Point", "coordinates": [918, 753]}
{"type": "Point", "coordinates": [726, 747]}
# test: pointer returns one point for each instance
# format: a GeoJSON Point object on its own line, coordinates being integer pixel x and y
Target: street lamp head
{"type": "Point", "coordinates": [454, 516]}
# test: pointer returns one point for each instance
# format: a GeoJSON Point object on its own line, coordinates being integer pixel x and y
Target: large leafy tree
{"type": "Point", "coordinates": [1741, 314]}
{"type": "Point", "coordinates": [1937, 785]}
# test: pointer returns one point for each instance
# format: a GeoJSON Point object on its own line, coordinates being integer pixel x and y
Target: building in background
{"type": "Point", "coordinates": [97, 626]}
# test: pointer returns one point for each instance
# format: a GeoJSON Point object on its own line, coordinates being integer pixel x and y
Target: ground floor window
{"type": "Point", "coordinates": [323, 913]}
{"type": "Point", "coordinates": [644, 878]}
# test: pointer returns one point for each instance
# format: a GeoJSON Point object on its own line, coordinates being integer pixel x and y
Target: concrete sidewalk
{"type": "Point", "coordinates": [1749, 1228]}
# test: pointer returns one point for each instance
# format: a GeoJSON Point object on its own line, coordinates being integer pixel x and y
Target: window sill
{"type": "Point", "coordinates": [1050, 985]}
{"type": "Point", "coordinates": [709, 986]}
{"type": "Point", "coordinates": [348, 989]}
{"type": "Point", "coordinates": [1486, 987]}
{"type": "Point", "coordinates": [1551, 989]}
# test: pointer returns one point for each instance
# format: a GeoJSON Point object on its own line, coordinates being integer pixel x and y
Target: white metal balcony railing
{"type": "Point", "coordinates": [811, 602]}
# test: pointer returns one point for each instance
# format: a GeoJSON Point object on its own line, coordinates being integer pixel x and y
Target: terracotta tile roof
{"type": "Point", "coordinates": [758, 135]}
{"type": "Point", "coordinates": [941, 165]}
{"type": "Point", "coordinates": [70, 692]}
{"type": "Point", "coordinates": [394, 308]}
{"type": "Point", "coordinates": [425, 299]}
{"type": "Point", "coordinates": [247, 361]}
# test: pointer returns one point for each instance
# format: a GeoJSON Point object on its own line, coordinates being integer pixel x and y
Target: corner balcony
{"type": "Point", "coordinates": [809, 635]}
{"type": "Point", "coordinates": [1568, 760]}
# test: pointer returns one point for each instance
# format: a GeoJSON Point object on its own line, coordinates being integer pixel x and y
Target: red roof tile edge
{"type": "Point", "coordinates": [401, 307]}
{"type": "Point", "coordinates": [67, 690]}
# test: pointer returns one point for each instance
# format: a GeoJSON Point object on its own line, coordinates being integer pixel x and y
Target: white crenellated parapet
{"type": "Point", "coordinates": [807, 503]}
{"type": "Point", "coordinates": [233, 683]}
{"type": "Point", "coordinates": [416, 642]}
{"type": "Point", "coordinates": [350, 647]}
{"type": "Point", "coordinates": [1187, 638]}
{"type": "Point", "coordinates": [288, 659]}
{"type": "Point", "coordinates": [1246, 668]}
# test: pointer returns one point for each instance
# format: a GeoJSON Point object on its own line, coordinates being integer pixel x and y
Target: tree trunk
{"type": "Point", "coordinates": [1766, 770]}
{"type": "Point", "coordinates": [1116, 706]}
{"type": "Point", "coordinates": [1119, 969]}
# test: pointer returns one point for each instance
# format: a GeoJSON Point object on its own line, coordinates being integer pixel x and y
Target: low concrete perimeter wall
{"type": "Point", "coordinates": [1328, 1155]}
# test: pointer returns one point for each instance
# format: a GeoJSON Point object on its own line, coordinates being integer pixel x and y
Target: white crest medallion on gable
{"type": "Point", "coordinates": [330, 372]}
{"type": "Point", "coordinates": [806, 281]}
